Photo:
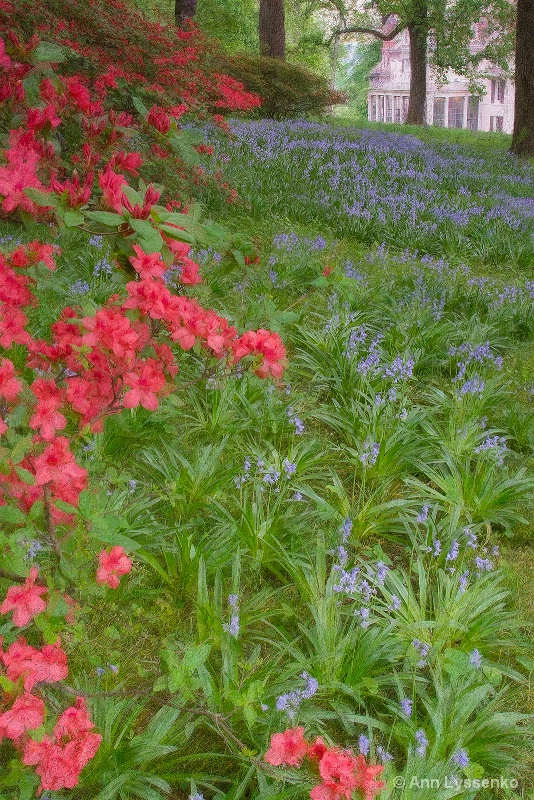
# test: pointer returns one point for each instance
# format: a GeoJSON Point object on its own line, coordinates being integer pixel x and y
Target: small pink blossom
{"type": "Point", "coordinates": [288, 748]}
{"type": "Point", "coordinates": [25, 601]}
{"type": "Point", "coordinates": [112, 566]}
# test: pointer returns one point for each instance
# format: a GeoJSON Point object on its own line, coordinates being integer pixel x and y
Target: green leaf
{"type": "Point", "coordinates": [150, 559]}
{"type": "Point", "coordinates": [25, 476]}
{"type": "Point", "coordinates": [106, 536]}
{"type": "Point", "coordinates": [493, 674]}
{"type": "Point", "coordinates": [195, 656]}
{"type": "Point", "coordinates": [187, 153]}
{"type": "Point", "coordinates": [6, 684]}
{"type": "Point", "coordinates": [175, 233]}
{"type": "Point", "coordinates": [68, 569]}
{"type": "Point", "coordinates": [140, 106]}
{"type": "Point", "coordinates": [474, 770]}
{"type": "Point", "coordinates": [49, 51]}
{"type": "Point", "coordinates": [71, 217]}
{"type": "Point", "coordinates": [42, 198]}
{"type": "Point", "coordinates": [31, 84]}
{"type": "Point", "coordinates": [44, 624]}
{"type": "Point", "coordinates": [107, 218]}
{"type": "Point", "coordinates": [36, 510]}
{"type": "Point", "coordinates": [12, 515]}
{"type": "Point", "coordinates": [239, 257]}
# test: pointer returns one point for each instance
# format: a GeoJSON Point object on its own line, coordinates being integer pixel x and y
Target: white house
{"type": "Point", "coordinates": [449, 105]}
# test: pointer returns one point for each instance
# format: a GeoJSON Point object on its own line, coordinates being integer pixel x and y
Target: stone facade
{"type": "Point", "coordinates": [449, 105]}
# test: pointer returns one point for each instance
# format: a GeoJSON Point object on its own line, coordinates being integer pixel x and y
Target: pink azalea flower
{"type": "Point", "coordinates": [25, 601]}
{"type": "Point", "coordinates": [112, 566]}
{"type": "Point", "coordinates": [288, 748]}
{"type": "Point", "coordinates": [26, 713]}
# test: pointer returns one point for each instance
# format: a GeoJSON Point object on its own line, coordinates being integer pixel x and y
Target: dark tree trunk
{"type": "Point", "coordinates": [184, 10]}
{"type": "Point", "coordinates": [523, 138]}
{"type": "Point", "coordinates": [272, 29]}
{"type": "Point", "coordinates": [418, 30]}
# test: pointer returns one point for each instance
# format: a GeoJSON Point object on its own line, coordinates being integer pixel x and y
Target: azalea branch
{"type": "Point", "coordinates": [219, 720]}
{"type": "Point", "coordinates": [50, 527]}
{"type": "Point", "coordinates": [7, 575]}
{"type": "Point", "coordinates": [71, 690]}
{"type": "Point", "coordinates": [96, 233]}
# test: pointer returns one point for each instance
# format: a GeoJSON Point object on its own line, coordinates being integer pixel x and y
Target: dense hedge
{"type": "Point", "coordinates": [286, 90]}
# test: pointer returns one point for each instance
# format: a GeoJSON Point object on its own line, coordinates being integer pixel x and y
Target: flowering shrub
{"type": "Point", "coordinates": [287, 90]}
{"type": "Point", "coordinates": [121, 355]}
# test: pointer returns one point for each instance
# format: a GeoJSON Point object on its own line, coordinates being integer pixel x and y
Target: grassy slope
{"type": "Point", "coordinates": [519, 552]}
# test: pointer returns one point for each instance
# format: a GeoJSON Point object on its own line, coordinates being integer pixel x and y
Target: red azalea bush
{"type": "Point", "coordinates": [341, 772]}
{"type": "Point", "coordinates": [110, 42]}
{"type": "Point", "coordinates": [68, 160]}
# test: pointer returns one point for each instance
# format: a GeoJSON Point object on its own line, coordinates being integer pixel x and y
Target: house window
{"type": "Point", "coordinates": [456, 112]}
{"type": "Point", "coordinates": [472, 113]}
{"type": "Point", "coordinates": [497, 90]}
{"type": "Point", "coordinates": [398, 109]}
{"type": "Point", "coordinates": [389, 108]}
{"type": "Point", "coordinates": [496, 123]}
{"type": "Point", "coordinates": [404, 107]}
{"type": "Point", "coordinates": [438, 118]}
{"type": "Point", "coordinates": [373, 108]}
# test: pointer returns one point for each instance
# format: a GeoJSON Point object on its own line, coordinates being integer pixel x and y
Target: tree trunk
{"type": "Point", "coordinates": [272, 29]}
{"type": "Point", "coordinates": [418, 31]}
{"type": "Point", "coordinates": [523, 138]}
{"type": "Point", "coordinates": [184, 10]}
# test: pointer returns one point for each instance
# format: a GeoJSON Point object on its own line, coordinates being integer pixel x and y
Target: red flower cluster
{"type": "Point", "coordinates": [60, 758]}
{"type": "Point", "coordinates": [340, 771]}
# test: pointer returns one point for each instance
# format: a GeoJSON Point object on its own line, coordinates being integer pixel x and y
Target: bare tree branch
{"type": "Point", "coordinates": [385, 37]}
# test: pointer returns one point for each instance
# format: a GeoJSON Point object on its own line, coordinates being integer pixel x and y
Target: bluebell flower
{"type": "Point", "coordinates": [464, 581]}
{"type": "Point", "coordinates": [395, 603]}
{"type": "Point", "coordinates": [383, 755]}
{"type": "Point", "coordinates": [370, 454]}
{"type": "Point", "coordinates": [80, 287]}
{"type": "Point", "coordinates": [232, 627]}
{"type": "Point", "coordinates": [288, 467]}
{"type": "Point", "coordinates": [364, 744]}
{"type": "Point", "coordinates": [452, 555]}
{"type": "Point", "coordinates": [102, 267]}
{"type": "Point", "coordinates": [423, 650]}
{"type": "Point", "coordinates": [461, 758]}
{"type": "Point", "coordinates": [422, 517]}
{"type": "Point", "coordinates": [422, 743]}
{"type": "Point", "coordinates": [364, 614]}
{"type": "Point", "coordinates": [381, 572]}
{"type": "Point", "coordinates": [346, 529]}
{"type": "Point", "coordinates": [407, 706]}
{"type": "Point", "coordinates": [475, 659]}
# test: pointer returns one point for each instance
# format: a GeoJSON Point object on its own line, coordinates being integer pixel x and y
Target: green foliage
{"type": "Point", "coordinates": [287, 90]}
{"type": "Point", "coordinates": [354, 78]}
